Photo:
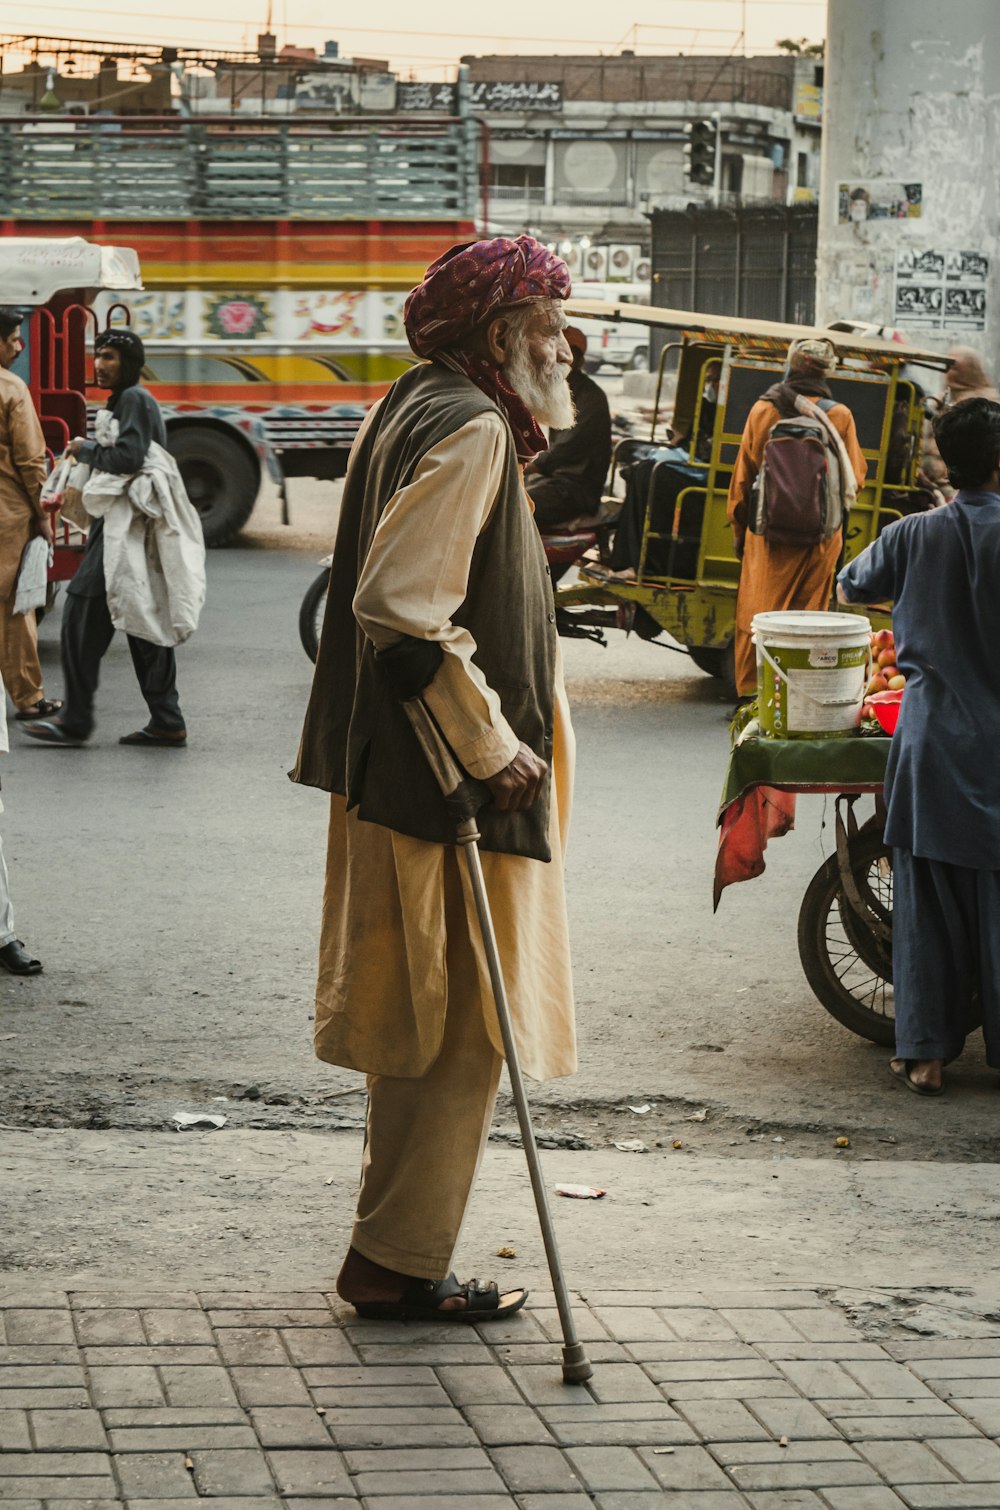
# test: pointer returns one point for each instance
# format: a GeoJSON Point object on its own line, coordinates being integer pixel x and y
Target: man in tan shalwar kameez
{"type": "Point", "coordinates": [22, 472]}
{"type": "Point", "coordinates": [775, 576]}
{"type": "Point", "coordinates": [439, 587]}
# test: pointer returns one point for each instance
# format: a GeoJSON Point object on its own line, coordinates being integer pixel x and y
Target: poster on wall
{"type": "Point", "coordinates": [878, 199]}
{"type": "Point", "coordinates": [937, 290]}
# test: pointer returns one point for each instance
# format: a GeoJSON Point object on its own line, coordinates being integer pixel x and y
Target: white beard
{"type": "Point", "coordinates": [547, 395]}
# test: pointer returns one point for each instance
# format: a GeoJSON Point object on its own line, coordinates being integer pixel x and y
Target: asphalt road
{"type": "Point", "coordinates": [174, 897]}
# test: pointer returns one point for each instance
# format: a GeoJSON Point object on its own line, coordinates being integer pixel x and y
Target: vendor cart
{"type": "Point", "coordinates": [845, 920]}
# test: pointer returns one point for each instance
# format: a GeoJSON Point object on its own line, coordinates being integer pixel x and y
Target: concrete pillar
{"type": "Point", "coordinates": [912, 96]}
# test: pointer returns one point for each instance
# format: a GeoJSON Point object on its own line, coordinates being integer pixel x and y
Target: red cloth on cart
{"type": "Point", "coordinates": [757, 815]}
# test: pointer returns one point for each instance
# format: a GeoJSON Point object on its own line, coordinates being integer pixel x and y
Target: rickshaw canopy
{"type": "Point", "coordinates": [34, 268]}
{"type": "Point", "coordinates": [728, 330]}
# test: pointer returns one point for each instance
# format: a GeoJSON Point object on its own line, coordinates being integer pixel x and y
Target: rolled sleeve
{"type": "Point", "coordinates": [416, 576]}
{"type": "Point", "coordinates": [872, 576]}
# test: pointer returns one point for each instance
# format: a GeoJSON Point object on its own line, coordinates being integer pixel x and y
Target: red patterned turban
{"type": "Point", "coordinates": [464, 289]}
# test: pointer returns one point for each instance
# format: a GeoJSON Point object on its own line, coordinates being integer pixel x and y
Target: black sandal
{"type": "Point", "coordinates": [902, 1074]}
{"type": "Point", "coordinates": [176, 741]}
{"type": "Point", "coordinates": [51, 732]}
{"type": "Point", "coordinates": [422, 1300]}
{"type": "Point", "coordinates": [44, 708]}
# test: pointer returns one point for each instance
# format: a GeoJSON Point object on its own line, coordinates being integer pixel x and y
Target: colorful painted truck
{"type": "Point", "coordinates": [276, 254]}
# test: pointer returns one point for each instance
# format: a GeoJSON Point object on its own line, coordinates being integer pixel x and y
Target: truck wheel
{"type": "Point", "coordinates": [311, 614]}
{"type": "Point", "coordinates": [221, 476]}
{"type": "Point", "coordinates": [640, 359]}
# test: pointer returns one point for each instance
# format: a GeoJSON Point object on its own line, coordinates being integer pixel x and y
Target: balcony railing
{"type": "Point", "coordinates": [517, 194]}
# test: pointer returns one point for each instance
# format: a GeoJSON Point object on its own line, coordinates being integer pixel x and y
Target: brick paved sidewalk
{"type": "Point", "coordinates": [769, 1400]}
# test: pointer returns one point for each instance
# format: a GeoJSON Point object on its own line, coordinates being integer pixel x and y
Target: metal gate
{"type": "Point", "coordinates": [753, 261]}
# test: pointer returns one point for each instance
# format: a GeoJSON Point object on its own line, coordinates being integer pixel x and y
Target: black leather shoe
{"type": "Point", "coordinates": [17, 961]}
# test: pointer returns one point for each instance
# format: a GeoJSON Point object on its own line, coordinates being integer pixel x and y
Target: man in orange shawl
{"type": "Point", "coordinates": [783, 576]}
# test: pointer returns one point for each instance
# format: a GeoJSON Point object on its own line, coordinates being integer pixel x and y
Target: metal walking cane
{"type": "Point", "coordinates": [463, 797]}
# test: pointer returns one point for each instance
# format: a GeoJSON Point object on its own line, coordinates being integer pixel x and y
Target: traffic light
{"type": "Point", "coordinates": [699, 151]}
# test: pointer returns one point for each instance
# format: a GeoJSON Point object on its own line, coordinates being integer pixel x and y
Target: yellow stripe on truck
{"type": "Point", "coordinates": [347, 275]}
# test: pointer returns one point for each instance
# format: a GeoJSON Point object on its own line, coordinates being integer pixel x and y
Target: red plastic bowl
{"type": "Point", "coordinates": [885, 706]}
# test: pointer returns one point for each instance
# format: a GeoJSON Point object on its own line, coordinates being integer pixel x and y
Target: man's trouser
{"type": "Point", "coordinates": [558, 500]}
{"type": "Point", "coordinates": [7, 934]}
{"type": "Point", "coordinates": [945, 942]}
{"type": "Point", "coordinates": [426, 1139]}
{"type": "Point", "coordinates": [87, 631]}
{"type": "Point", "coordinates": [19, 664]}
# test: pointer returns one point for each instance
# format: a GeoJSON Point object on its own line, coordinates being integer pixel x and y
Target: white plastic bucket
{"type": "Point", "coordinates": [812, 668]}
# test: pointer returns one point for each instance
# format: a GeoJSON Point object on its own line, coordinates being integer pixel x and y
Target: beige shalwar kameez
{"type": "Point", "coordinates": [403, 990]}
{"type": "Point", "coordinates": [22, 472]}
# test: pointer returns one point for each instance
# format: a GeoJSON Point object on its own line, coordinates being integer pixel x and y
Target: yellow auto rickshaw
{"type": "Point", "coordinates": [687, 573]}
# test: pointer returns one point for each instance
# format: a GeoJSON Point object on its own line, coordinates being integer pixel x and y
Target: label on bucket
{"type": "Point", "coordinates": [825, 700]}
{"type": "Point", "coordinates": [810, 691]}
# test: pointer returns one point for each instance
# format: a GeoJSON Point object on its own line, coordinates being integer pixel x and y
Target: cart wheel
{"type": "Point", "coordinates": [846, 965]}
{"type": "Point", "coordinates": [311, 614]}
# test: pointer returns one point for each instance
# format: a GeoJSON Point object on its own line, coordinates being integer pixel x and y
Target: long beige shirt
{"type": "Point", "coordinates": [22, 472]}
{"type": "Point", "coordinates": [390, 900]}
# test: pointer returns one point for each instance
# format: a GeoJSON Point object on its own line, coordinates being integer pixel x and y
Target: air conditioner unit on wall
{"type": "Point", "coordinates": [595, 265]}
{"type": "Point", "coordinates": [572, 255]}
{"type": "Point", "coordinates": [621, 262]}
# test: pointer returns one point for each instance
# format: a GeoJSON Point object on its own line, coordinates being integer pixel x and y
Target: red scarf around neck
{"type": "Point", "coordinates": [529, 440]}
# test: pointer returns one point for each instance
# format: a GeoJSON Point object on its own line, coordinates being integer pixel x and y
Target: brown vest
{"type": "Point", "coordinates": [357, 740]}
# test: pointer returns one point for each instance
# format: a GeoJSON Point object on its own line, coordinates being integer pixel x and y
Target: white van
{"type": "Point", "coordinates": [609, 344]}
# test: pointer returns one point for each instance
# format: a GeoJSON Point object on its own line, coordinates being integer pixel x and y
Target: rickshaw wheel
{"type": "Point", "coordinates": [708, 659]}
{"type": "Point", "coordinates": [717, 662]}
{"type": "Point", "coordinates": [848, 967]}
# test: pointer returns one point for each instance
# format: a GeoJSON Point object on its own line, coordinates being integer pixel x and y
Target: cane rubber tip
{"type": "Point", "coordinates": [576, 1368]}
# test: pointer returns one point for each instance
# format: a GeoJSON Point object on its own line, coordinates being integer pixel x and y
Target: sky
{"type": "Point", "coordinates": [590, 26]}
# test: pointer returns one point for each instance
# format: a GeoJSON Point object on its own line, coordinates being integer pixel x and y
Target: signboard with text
{"type": "Point", "coordinates": [514, 96]}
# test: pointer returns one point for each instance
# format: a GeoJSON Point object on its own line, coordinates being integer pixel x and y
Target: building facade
{"type": "Point", "coordinates": [581, 150]}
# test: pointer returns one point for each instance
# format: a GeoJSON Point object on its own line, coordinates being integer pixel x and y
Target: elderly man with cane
{"type": "Point", "coordinates": [439, 592]}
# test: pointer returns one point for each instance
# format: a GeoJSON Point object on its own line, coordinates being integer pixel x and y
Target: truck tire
{"type": "Point", "coordinates": [222, 478]}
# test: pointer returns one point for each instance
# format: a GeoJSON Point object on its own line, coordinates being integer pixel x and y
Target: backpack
{"type": "Point", "coordinates": [798, 495]}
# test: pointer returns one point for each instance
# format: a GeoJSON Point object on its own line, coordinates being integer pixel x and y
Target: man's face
{"type": "Point", "coordinates": [10, 348]}
{"type": "Point", "coordinates": [107, 367]}
{"type": "Point", "coordinates": [545, 343]}
{"type": "Point", "coordinates": [713, 372]}
{"type": "Point", "coordinates": [537, 360]}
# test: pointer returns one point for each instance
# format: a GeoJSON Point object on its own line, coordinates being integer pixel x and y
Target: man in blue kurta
{"type": "Point", "coordinates": [942, 572]}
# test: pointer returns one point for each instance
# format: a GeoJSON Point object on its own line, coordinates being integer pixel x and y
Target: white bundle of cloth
{"type": "Point", "coordinates": [154, 549]}
{"type": "Point", "coordinates": [33, 575]}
